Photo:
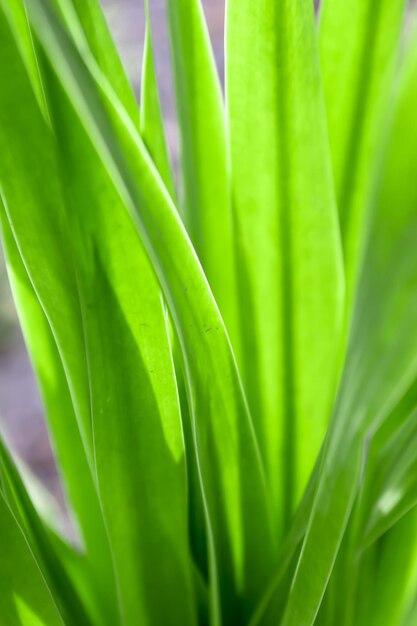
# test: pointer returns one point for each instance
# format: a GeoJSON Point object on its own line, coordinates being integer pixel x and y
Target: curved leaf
{"type": "Point", "coordinates": [36, 214]}
{"type": "Point", "coordinates": [151, 121]}
{"type": "Point", "coordinates": [375, 379]}
{"type": "Point", "coordinates": [206, 198]}
{"type": "Point", "coordinates": [228, 460]}
{"type": "Point", "coordinates": [134, 406]}
{"type": "Point", "coordinates": [86, 21]}
{"type": "Point", "coordinates": [66, 439]}
{"type": "Point", "coordinates": [15, 495]}
{"type": "Point", "coordinates": [25, 599]}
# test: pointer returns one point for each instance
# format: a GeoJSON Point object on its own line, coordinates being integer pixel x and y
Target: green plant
{"type": "Point", "coordinates": [272, 482]}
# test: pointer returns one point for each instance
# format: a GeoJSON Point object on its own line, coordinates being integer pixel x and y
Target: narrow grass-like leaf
{"type": "Point", "coordinates": [25, 599]}
{"type": "Point", "coordinates": [206, 198]}
{"type": "Point", "coordinates": [374, 380]}
{"type": "Point", "coordinates": [371, 596]}
{"type": "Point", "coordinates": [151, 121]}
{"type": "Point", "coordinates": [359, 44]}
{"type": "Point", "coordinates": [52, 379]}
{"type": "Point", "coordinates": [386, 597]}
{"type": "Point", "coordinates": [17, 17]}
{"type": "Point", "coordinates": [66, 439]}
{"type": "Point", "coordinates": [288, 250]}
{"type": "Point", "coordinates": [230, 469]}
{"type": "Point", "coordinates": [394, 441]}
{"type": "Point", "coordinates": [385, 496]}
{"type": "Point", "coordinates": [87, 23]}
{"type": "Point", "coordinates": [16, 497]}
{"type": "Point", "coordinates": [149, 435]}
{"type": "Point", "coordinates": [392, 482]}
{"type": "Point", "coordinates": [139, 458]}
{"type": "Point", "coordinates": [277, 590]}
{"type": "Point", "coordinates": [37, 219]}
{"type": "Point", "coordinates": [153, 135]}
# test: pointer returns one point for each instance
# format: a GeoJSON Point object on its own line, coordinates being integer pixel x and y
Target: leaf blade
{"type": "Point", "coordinates": [151, 120]}
{"type": "Point", "coordinates": [238, 537]}
{"type": "Point", "coordinates": [384, 322]}
{"type": "Point", "coordinates": [62, 424]}
{"type": "Point", "coordinates": [25, 596]}
{"type": "Point", "coordinates": [206, 200]}
{"type": "Point", "coordinates": [358, 51]}
{"type": "Point", "coordinates": [288, 249]}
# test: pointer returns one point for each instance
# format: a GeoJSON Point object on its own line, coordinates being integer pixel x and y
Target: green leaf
{"type": "Point", "coordinates": [375, 379]}
{"type": "Point", "coordinates": [16, 14]}
{"type": "Point", "coordinates": [37, 218]}
{"type": "Point", "coordinates": [391, 485]}
{"type": "Point", "coordinates": [230, 469]}
{"type": "Point", "coordinates": [206, 200]}
{"type": "Point", "coordinates": [151, 121]}
{"type": "Point", "coordinates": [15, 495]}
{"type": "Point", "coordinates": [137, 432]}
{"type": "Point", "coordinates": [384, 497]}
{"type": "Point", "coordinates": [72, 461]}
{"type": "Point", "coordinates": [138, 450]}
{"type": "Point", "coordinates": [359, 42]}
{"type": "Point", "coordinates": [381, 501]}
{"type": "Point", "coordinates": [278, 589]}
{"type": "Point", "coordinates": [394, 442]}
{"type": "Point", "coordinates": [25, 599]}
{"type": "Point", "coordinates": [86, 21]}
{"type": "Point", "coordinates": [387, 597]}
{"type": "Point", "coordinates": [288, 251]}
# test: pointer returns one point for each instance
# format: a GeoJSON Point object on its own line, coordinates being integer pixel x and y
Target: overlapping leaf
{"type": "Point", "coordinates": [287, 238]}
{"type": "Point", "coordinates": [130, 316]}
{"type": "Point", "coordinates": [65, 435]}
{"type": "Point", "coordinates": [391, 577]}
{"type": "Point", "coordinates": [86, 22]}
{"type": "Point", "coordinates": [65, 595]}
{"type": "Point", "coordinates": [151, 121]}
{"type": "Point", "coordinates": [381, 363]}
{"type": "Point", "coordinates": [230, 470]}
{"type": "Point", "coordinates": [38, 221]}
{"type": "Point", "coordinates": [206, 200]}
{"type": "Point", "coordinates": [359, 44]}
{"type": "Point", "coordinates": [25, 599]}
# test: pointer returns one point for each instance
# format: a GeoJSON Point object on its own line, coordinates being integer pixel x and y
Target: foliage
{"type": "Point", "coordinates": [228, 365]}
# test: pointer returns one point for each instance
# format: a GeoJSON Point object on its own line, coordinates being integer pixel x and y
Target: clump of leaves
{"type": "Point", "coordinates": [229, 367]}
